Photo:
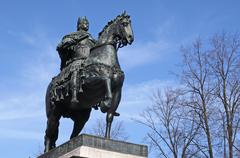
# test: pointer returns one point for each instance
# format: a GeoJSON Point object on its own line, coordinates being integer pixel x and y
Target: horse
{"type": "Point", "coordinates": [101, 81]}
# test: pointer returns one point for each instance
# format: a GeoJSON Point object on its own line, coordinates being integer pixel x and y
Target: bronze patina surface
{"type": "Point", "coordinates": [90, 76]}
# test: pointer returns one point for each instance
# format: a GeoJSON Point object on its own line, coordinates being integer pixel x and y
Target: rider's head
{"type": "Point", "coordinates": [82, 24]}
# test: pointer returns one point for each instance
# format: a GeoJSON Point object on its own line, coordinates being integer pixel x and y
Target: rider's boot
{"type": "Point", "coordinates": [74, 96]}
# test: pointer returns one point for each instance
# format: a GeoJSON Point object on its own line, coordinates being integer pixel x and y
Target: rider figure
{"type": "Point", "coordinates": [73, 51]}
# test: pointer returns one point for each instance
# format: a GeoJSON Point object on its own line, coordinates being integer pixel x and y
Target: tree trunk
{"type": "Point", "coordinates": [210, 151]}
{"type": "Point", "coordinates": [230, 142]}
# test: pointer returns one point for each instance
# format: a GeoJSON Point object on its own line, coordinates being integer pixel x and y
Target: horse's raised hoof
{"type": "Point", "coordinates": [104, 109]}
{"type": "Point", "coordinates": [105, 105]}
{"type": "Point", "coordinates": [116, 114]}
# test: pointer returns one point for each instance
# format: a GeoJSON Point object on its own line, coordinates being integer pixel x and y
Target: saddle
{"type": "Point", "coordinates": [61, 84]}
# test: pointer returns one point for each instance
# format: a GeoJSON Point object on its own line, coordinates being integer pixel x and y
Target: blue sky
{"type": "Point", "coordinates": [30, 31]}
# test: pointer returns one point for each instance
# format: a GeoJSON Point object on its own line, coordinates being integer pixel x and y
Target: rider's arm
{"type": "Point", "coordinates": [65, 43]}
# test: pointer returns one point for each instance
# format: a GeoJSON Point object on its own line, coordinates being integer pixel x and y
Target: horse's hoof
{"type": "Point", "coordinates": [116, 114]}
{"type": "Point", "coordinates": [104, 109]}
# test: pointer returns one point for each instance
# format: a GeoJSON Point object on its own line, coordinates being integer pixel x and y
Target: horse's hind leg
{"type": "Point", "coordinates": [51, 133]}
{"type": "Point", "coordinates": [79, 118]}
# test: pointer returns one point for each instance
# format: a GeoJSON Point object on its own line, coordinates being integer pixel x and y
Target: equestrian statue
{"type": "Point", "coordinates": [90, 77]}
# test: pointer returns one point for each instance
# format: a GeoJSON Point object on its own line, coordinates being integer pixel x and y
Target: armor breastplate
{"type": "Point", "coordinates": [81, 51]}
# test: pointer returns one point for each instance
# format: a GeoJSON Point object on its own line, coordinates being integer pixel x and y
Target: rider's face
{"type": "Point", "coordinates": [84, 25]}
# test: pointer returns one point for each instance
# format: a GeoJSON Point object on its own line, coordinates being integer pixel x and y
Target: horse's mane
{"type": "Point", "coordinates": [119, 17]}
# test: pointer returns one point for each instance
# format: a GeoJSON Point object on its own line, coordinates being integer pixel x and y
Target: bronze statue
{"type": "Point", "coordinates": [73, 51]}
{"type": "Point", "coordinates": [90, 76]}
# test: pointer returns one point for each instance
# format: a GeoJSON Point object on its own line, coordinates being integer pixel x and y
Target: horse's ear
{"type": "Point", "coordinates": [124, 14]}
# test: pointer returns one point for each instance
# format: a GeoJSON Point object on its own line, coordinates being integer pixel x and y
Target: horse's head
{"type": "Point", "coordinates": [119, 31]}
{"type": "Point", "coordinates": [125, 29]}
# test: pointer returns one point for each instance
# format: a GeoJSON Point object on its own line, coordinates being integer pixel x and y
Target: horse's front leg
{"type": "Point", "coordinates": [106, 104]}
{"type": "Point", "coordinates": [112, 112]}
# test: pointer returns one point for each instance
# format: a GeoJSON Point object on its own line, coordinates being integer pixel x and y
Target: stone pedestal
{"type": "Point", "coordinates": [88, 146]}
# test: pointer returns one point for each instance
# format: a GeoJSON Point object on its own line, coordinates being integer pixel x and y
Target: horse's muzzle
{"type": "Point", "coordinates": [130, 39]}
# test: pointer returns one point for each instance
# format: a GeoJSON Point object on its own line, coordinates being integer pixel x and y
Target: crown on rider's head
{"type": "Point", "coordinates": [81, 19]}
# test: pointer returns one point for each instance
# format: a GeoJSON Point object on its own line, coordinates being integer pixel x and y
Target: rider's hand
{"type": "Point", "coordinates": [71, 41]}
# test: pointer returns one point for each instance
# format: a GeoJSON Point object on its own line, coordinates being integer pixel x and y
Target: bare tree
{"type": "Point", "coordinates": [211, 75]}
{"type": "Point", "coordinates": [117, 132]}
{"type": "Point", "coordinates": [225, 64]}
{"type": "Point", "coordinates": [197, 79]}
{"type": "Point", "coordinates": [211, 105]}
{"type": "Point", "coordinates": [172, 126]}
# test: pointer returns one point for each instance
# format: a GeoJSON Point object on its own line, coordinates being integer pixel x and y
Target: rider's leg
{"type": "Point", "coordinates": [74, 86]}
